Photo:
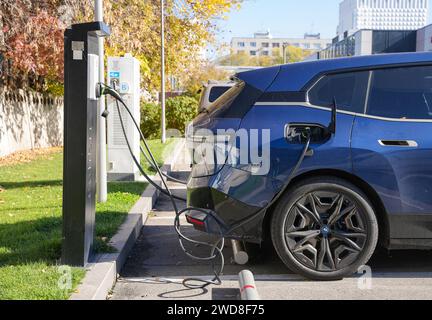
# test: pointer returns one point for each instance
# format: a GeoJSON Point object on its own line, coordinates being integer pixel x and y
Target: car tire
{"type": "Point", "coordinates": [316, 241]}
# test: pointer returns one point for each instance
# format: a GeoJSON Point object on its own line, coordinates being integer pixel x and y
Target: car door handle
{"type": "Point", "coordinates": [398, 143]}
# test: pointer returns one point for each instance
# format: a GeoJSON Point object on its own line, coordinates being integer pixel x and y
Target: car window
{"type": "Point", "coordinates": [216, 92]}
{"type": "Point", "coordinates": [234, 103]}
{"type": "Point", "coordinates": [401, 93]}
{"type": "Point", "coordinates": [349, 89]}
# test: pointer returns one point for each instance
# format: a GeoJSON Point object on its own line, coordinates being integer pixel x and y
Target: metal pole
{"type": "Point", "coordinates": [101, 172]}
{"type": "Point", "coordinates": [163, 72]}
{"type": "Point", "coordinates": [248, 290]}
{"type": "Point", "coordinates": [284, 53]}
{"type": "Point", "coordinates": [240, 256]}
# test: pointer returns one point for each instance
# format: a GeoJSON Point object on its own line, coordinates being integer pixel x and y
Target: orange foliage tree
{"type": "Point", "coordinates": [32, 33]}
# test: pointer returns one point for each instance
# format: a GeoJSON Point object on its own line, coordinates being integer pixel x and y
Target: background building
{"type": "Point", "coordinates": [400, 15]}
{"type": "Point", "coordinates": [424, 39]}
{"type": "Point", "coordinates": [262, 43]}
{"type": "Point", "coordinates": [380, 26]}
{"type": "Point", "coordinates": [366, 42]}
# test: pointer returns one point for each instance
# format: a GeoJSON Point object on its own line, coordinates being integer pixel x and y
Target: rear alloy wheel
{"type": "Point", "coordinates": [324, 229]}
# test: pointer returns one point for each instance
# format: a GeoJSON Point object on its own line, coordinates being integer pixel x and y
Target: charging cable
{"type": "Point", "coordinates": [104, 89]}
{"type": "Point", "coordinates": [217, 246]}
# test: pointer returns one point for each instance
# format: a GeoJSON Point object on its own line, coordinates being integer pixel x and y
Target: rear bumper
{"type": "Point", "coordinates": [226, 210]}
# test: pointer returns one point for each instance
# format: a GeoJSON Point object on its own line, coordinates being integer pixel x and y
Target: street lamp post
{"type": "Point", "coordinates": [285, 46]}
{"type": "Point", "coordinates": [163, 72]}
{"type": "Point", "coordinates": [101, 172]}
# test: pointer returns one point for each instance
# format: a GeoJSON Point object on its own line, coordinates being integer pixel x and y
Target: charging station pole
{"type": "Point", "coordinates": [101, 170]}
{"type": "Point", "coordinates": [80, 134]}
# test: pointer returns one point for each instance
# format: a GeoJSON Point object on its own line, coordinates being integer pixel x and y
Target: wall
{"type": "Point", "coordinates": [363, 41]}
{"type": "Point", "coordinates": [29, 120]}
{"type": "Point", "coordinates": [393, 41]}
{"type": "Point", "coordinates": [366, 42]}
{"type": "Point", "coordinates": [424, 39]}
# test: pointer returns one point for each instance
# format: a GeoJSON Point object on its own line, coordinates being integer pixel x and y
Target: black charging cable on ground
{"type": "Point", "coordinates": [216, 247]}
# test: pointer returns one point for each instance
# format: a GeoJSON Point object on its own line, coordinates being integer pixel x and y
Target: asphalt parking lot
{"type": "Point", "coordinates": [157, 265]}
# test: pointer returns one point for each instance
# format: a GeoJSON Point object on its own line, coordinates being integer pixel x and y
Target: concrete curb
{"type": "Point", "coordinates": [102, 274]}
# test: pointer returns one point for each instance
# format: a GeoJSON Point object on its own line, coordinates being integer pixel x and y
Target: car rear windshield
{"type": "Point", "coordinates": [234, 103]}
{"type": "Point", "coordinates": [216, 92]}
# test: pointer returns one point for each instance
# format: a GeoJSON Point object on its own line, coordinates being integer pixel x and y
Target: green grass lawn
{"type": "Point", "coordinates": [30, 227]}
{"type": "Point", "coordinates": [30, 224]}
{"type": "Point", "coordinates": [159, 151]}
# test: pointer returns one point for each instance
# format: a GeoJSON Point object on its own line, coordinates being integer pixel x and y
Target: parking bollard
{"type": "Point", "coordinates": [248, 290]}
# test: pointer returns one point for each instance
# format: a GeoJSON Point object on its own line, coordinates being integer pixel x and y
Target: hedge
{"type": "Point", "coordinates": [179, 111]}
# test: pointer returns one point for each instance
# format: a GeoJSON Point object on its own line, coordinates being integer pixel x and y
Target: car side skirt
{"type": "Point", "coordinates": [410, 231]}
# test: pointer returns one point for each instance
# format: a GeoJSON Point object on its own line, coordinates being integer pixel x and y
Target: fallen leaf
{"type": "Point", "coordinates": [28, 155]}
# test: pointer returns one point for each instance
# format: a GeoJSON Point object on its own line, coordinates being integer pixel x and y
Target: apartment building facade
{"type": "Point", "coordinates": [263, 44]}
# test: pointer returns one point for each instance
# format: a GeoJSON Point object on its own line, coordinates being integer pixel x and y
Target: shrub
{"type": "Point", "coordinates": [150, 120]}
{"type": "Point", "coordinates": [179, 111]}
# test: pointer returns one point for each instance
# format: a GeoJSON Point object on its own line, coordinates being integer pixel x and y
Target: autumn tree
{"type": "Point", "coordinates": [190, 27]}
{"type": "Point", "coordinates": [236, 59]}
{"type": "Point", "coordinates": [32, 35]}
{"type": "Point", "coordinates": [295, 54]}
{"type": "Point", "coordinates": [205, 72]}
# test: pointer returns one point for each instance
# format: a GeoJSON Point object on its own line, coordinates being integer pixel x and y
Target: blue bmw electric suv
{"type": "Point", "coordinates": [365, 179]}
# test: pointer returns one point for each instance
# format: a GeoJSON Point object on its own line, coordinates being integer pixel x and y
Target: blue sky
{"type": "Point", "coordinates": [284, 18]}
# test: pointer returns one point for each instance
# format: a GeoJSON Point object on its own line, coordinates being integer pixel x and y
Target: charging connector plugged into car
{"type": "Point", "coordinates": [202, 219]}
